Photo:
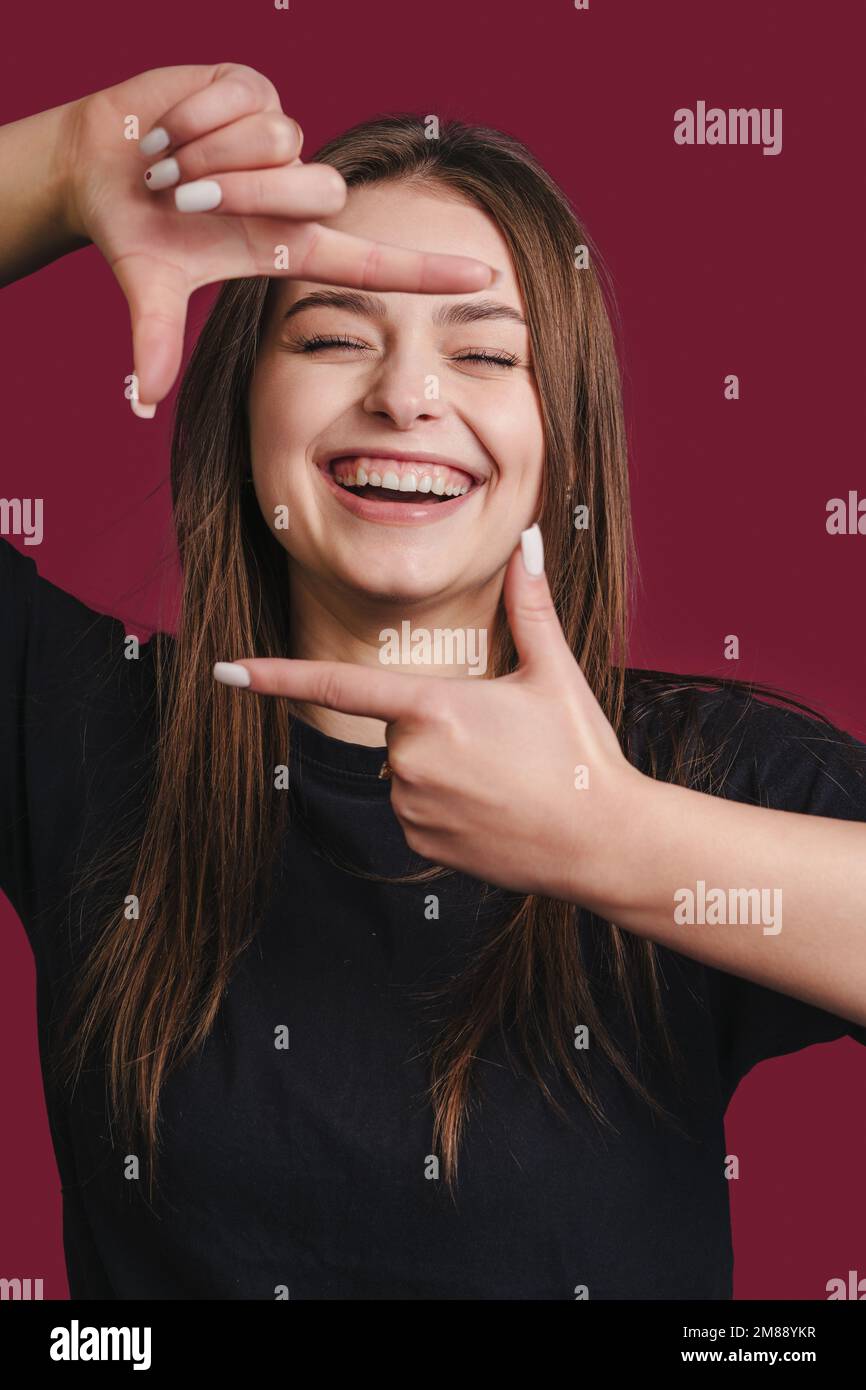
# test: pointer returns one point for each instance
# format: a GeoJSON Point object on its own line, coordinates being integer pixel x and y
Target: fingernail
{"type": "Point", "coordinates": [162, 175]}
{"type": "Point", "coordinates": [200, 196]}
{"type": "Point", "coordinates": [144, 412]}
{"type": "Point", "coordinates": [156, 140]}
{"type": "Point", "coordinates": [532, 549]}
{"type": "Point", "coordinates": [497, 276]}
{"type": "Point", "coordinates": [230, 673]}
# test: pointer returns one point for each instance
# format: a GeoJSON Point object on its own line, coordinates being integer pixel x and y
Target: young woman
{"type": "Point", "coordinates": [419, 953]}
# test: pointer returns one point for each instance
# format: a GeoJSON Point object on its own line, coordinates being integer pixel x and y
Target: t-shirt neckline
{"type": "Point", "coordinates": [336, 753]}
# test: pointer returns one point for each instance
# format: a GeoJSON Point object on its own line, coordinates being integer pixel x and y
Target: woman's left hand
{"type": "Point", "coordinates": [519, 781]}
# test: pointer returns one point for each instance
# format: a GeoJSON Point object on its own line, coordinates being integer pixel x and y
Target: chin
{"type": "Point", "coordinates": [399, 595]}
{"type": "Point", "coordinates": [399, 587]}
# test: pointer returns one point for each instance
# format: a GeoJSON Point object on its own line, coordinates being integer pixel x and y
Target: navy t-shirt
{"type": "Point", "coordinates": [307, 1169]}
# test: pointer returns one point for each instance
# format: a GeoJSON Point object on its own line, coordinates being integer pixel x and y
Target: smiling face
{"type": "Point", "coordinates": [403, 430]}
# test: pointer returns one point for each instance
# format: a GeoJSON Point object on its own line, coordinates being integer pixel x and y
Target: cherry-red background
{"type": "Point", "coordinates": [724, 260]}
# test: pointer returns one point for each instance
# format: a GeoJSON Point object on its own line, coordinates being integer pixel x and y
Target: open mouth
{"type": "Point", "coordinates": [383, 488]}
{"type": "Point", "coordinates": [377, 477]}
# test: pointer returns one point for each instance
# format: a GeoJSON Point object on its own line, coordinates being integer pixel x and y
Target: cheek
{"type": "Point", "coordinates": [514, 437]}
{"type": "Point", "coordinates": [277, 425]}
{"type": "Point", "coordinates": [276, 415]}
{"type": "Point", "coordinates": [288, 413]}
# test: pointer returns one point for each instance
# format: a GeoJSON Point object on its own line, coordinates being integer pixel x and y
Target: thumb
{"type": "Point", "coordinates": [532, 617]}
{"type": "Point", "coordinates": [157, 297]}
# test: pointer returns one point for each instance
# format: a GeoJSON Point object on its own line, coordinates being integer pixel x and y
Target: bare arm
{"type": "Point", "coordinates": [36, 221]}
{"type": "Point", "coordinates": [774, 896]}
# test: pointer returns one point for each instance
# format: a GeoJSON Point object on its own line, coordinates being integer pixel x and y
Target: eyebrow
{"type": "Point", "coordinates": [371, 306]}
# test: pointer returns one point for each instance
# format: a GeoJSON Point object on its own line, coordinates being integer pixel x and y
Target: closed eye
{"type": "Point", "coordinates": [505, 359]}
{"type": "Point", "coordinates": [320, 341]}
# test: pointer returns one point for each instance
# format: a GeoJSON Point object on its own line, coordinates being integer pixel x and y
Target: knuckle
{"type": "Point", "coordinates": [411, 829]}
{"type": "Point", "coordinates": [155, 318]}
{"type": "Point", "coordinates": [311, 238]}
{"type": "Point", "coordinates": [330, 690]}
{"type": "Point", "coordinates": [337, 182]}
{"type": "Point", "coordinates": [300, 137]}
{"type": "Point", "coordinates": [430, 706]}
{"type": "Point", "coordinates": [242, 72]}
{"type": "Point", "coordinates": [400, 764]}
{"type": "Point", "coordinates": [417, 767]}
{"type": "Point", "coordinates": [246, 77]}
{"type": "Point", "coordinates": [240, 87]}
{"type": "Point", "coordinates": [370, 267]}
{"type": "Point", "coordinates": [279, 137]}
{"type": "Point", "coordinates": [257, 192]}
{"type": "Point", "coordinates": [419, 843]}
{"type": "Point", "coordinates": [537, 610]}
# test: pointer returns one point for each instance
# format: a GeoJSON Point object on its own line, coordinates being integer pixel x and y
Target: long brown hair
{"type": "Point", "coordinates": [151, 995]}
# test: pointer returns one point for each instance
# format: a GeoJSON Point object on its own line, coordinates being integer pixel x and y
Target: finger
{"type": "Point", "coordinates": [264, 140]}
{"type": "Point", "coordinates": [234, 91]}
{"type": "Point", "coordinates": [532, 617]}
{"type": "Point", "coordinates": [157, 297]}
{"type": "Point", "coordinates": [325, 256]}
{"type": "Point", "coordinates": [278, 247]}
{"type": "Point", "coordinates": [339, 685]}
{"type": "Point", "coordinates": [307, 250]}
{"type": "Point", "coordinates": [303, 191]}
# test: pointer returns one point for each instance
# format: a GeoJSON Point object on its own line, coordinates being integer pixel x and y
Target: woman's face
{"type": "Point", "coordinates": [445, 381]}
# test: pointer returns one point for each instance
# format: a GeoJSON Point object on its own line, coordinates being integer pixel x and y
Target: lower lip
{"type": "Point", "coordinates": [397, 513]}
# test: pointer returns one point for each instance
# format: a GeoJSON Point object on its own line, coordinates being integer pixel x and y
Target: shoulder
{"type": "Point", "coordinates": [732, 739]}
{"type": "Point", "coordinates": [51, 638]}
{"type": "Point", "coordinates": [78, 732]}
{"type": "Point", "coordinates": [728, 739]}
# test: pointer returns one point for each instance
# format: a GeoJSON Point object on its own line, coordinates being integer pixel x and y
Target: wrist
{"type": "Point", "coordinates": [65, 184]}
{"type": "Point", "coordinates": [610, 876]}
{"type": "Point", "coordinates": [38, 221]}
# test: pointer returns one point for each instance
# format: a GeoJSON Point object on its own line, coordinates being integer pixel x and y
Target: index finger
{"type": "Point", "coordinates": [325, 256]}
{"type": "Point", "coordinates": [338, 258]}
{"type": "Point", "coordinates": [338, 685]}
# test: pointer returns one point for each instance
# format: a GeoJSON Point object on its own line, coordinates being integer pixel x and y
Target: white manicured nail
{"type": "Point", "coordinates": [162, 175]}
{"type": "Point", "coordinates": [200, 196]}
{"type": "Point", "coordinates": [144, 412]}
{"type": "Point", "coordinates": [230, 673]}
{"type": "Point", "coordinates": [532, 549]}
{"type": "Point", "coordinates": [155, 141]}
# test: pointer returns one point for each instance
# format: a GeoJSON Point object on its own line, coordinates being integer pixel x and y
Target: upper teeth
{"type": "Point", "coordinates": [401, 476]}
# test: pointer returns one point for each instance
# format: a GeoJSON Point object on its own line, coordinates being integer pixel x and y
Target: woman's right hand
{"type": "Point", "coordinates": [225, 124]}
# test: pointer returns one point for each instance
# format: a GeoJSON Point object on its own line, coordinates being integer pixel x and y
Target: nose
{"type": "Point", "coordinates": [405, 388]}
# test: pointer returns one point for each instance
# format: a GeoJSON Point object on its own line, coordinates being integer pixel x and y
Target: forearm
{"type": "Point", "coordinates": [804, 934]}
{"type": "Point", "coordinates": [36, 220]}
